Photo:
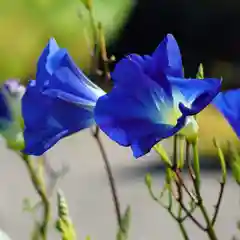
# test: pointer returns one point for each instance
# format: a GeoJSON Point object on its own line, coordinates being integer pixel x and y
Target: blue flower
{"type": "Point", "coordinates": [228, 104]}
{"type": "Point", "coordinates": [58, 103]}
{"type": "Point", "coordinates": [11, 93]}
{"type": "Point", "coordinates": [151, 100]}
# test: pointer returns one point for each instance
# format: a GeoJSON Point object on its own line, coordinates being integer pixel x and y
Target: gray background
{"type": "Point", "coordinates": [87, 192]}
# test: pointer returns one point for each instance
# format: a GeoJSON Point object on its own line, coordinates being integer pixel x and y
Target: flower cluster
{"type": "Point", "coordinates": [151, 100]}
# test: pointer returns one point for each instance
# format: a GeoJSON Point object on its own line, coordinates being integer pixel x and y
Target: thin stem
{"type": "Point", "coordinates": [168, 208]}
{"type": "Point", "coordinates": [169, 187]}
{"type": "Point", "coordinates": [217, 207]}
{"type": "Point", "coordinates": [191, 195]}
{"type": "Point", "coordinates": [222, 182]}
{"type": "Point", "coordinates": [175, 149]}
{"type": "Point", "coordinates": [110, 177]}
{"type": "Point", "coordinates": [189, 165]}
{"type": "Point", "coordinates": [94, 64]}
{"type": "Point", "coordinates": [180, 164]}
{"type": "Point", "coordinates": [39, 187]}
{"type": "Point", "coordinates": [180, 223]}
{"type": "Point", "coordinates": [189, 214]}
{"type": "Point", "coordinates": [183, 231]}
{"type": "Point", "coordinates": [103, 51]}
{"type": "Point", "coordinates": [196, 165]}
{"type": "Point", "coordinates": [210, 231]}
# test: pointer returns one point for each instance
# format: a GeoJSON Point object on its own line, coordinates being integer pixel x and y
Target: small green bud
{"type": "Point", "coordinates": [88, 4]}
{"type": "Point", "coordinates": [235, 164]}
{"type": "Point", "coordinates": [200, 73]}
{"type": "Point", "coordinates": [222, 160]}
{"type": "Point", "coordinates": [148, 180]}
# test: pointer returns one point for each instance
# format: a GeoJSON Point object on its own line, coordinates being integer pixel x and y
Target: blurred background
{"type": "Point", "coordinates": [206, 30]}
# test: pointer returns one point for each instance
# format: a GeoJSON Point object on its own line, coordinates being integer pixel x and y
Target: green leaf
{"type": "Point", "coordinates": [200, 73]}
{"type": "Point", "coordinates": [163, 154]}
{"type": "Point", "coordinates": [88, 4]}
{"type": "Point", "coordinates": [235, 164]}
{"type": "Point", "coordinates": [148, 180]}
{"type": "Point", "coordinates": [35, 234]}
{"type": "Point", "coordinates": [238, 225]}
{"type": "Point", "coordinates": [236, 170]}
{"type": "Point", "coordinates": [222, 160]}
{"type": "Point", "coordinates": [126, 219]}
{"type": "Point", "coordinates": [26, 205]}
{"type": "Point", "coordinates": [123, 232]}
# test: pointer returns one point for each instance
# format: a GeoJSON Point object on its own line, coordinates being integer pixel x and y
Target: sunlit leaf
{"type": "Point", "coordinates": [200, 73]}
{"type": "Point", "coordinates": [162, 153]}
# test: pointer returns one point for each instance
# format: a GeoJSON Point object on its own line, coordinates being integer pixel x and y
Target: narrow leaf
{"type": "Point", "coordinates": [200, 73]}
{"type": "Point", "coordinates": [163, 154]}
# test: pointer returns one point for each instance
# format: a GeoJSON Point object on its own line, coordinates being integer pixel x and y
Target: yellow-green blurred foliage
{"type": "Point", "coordinates": [26, 26]}
{"type": "Point", "coordinates": [213, 125]}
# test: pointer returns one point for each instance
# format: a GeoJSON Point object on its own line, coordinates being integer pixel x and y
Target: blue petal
{"type": "Point", "coordinates": [126, 71]}
{"type": "Point", "coordinates": [5, 113]}
{"type": "Point", "coordinates": [167, 59]}
{"type": "Point", "coordinates": [48, 61]}
{"type": "Point", "coordinates": [130, 74]}
{"type": "Point", "coordinates": [70, 79]}
{"type": "Point", "coordinates": [228, 104]}
{"type": "Point", "coordinates": [197, 93]}
{"type": "Point", "coordinates": [135, 116]}
{"type": "Point", "coordinates": [47, 120]}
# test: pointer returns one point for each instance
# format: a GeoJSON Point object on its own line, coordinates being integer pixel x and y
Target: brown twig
{"type": "Point", "coordinates": [180, 197]}
{"type": "Point", "coordinates": [191, 195]}
{"type": "Point", "coordinates": [217, 207]}
{"type": "Point", "coordinates": [175, 149]}
{"type": "Point", "coordinates": [179, 200]}
{"type": "Point", "coordinates": [110, 176]}
{"type": "Point", "coordinates": [189, 214]}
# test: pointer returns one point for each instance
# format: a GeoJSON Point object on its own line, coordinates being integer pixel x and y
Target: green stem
{"type": "Point", "coordinates": [94, 64]}
{"type": "Point", "coordinates": [180, 162]}
{"type": "Point", "coordinates": [183, 231]}
{"type": "Point", "coordinates": [40, 188]}
{"type": "Point", "coordinates": [180, 223]}
{"type": "Point", "coordinates": [209, 229]}
{"type": "Point", "coordinates": [176, 164]}
{"type": "Point", "coordinates": [196, 164]}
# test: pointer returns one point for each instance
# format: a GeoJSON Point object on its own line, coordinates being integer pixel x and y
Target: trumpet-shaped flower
{"type": "Point", "coordinates": [151, 100]}
{"type": "Point", "coordinates": [11, 94]}
{"type": "Point", "coordinates": [227, 103]}
{"type": "Point", "coordinates": [58, 103]}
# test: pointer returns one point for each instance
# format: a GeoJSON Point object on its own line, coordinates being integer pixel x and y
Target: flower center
{"type": "Point", "coordinates": [190, 129]}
